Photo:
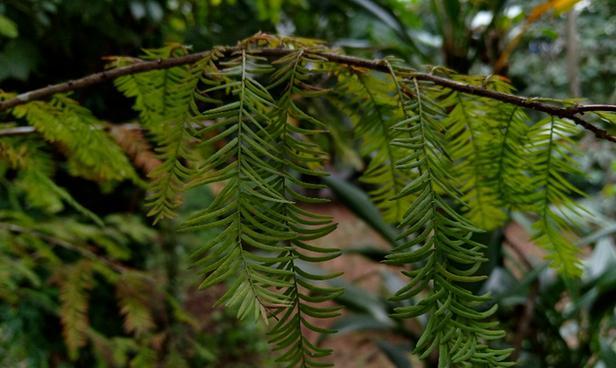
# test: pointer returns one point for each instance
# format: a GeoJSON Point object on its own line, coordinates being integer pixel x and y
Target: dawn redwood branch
{"type": "Point", "coordinates": [533, 103]}
{"type": "Point", "coordinates": [570, 112]}
{"type": "Point", "coordinates": [106, 75]}
{"type": "Point", "coordinates": [593, 107]}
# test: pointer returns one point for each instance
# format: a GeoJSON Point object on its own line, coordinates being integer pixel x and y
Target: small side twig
{"type": "Point", "coordinates": [569, 112]}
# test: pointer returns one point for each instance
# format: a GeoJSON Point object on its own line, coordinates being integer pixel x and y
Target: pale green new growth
{"type": "Point", "coordinates": [163, 99]}
{"type": "Point", "coordinates": [91, 152]}
{"type": "Point", "coordinates": [370, 97]}
{"type": "Point", "coordinates": [552, 159]}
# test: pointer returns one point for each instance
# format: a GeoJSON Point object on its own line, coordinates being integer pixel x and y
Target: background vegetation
{"type": "Point", "coordinates": [153, 314]}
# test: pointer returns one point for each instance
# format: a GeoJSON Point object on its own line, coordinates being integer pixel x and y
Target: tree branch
{"type": "Point", "coordinates": [92, 79]}
{"type": "Point", "coordinates": [570, 112]}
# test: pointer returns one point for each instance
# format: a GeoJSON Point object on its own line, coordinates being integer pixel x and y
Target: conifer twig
{"type": "Point", "coordinates": [570, 112]}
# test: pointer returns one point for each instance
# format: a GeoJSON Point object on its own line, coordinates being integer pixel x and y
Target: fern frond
{"type": "Point", "coordinates": [163, 99]}
{"type": "Point", "coordinates": [175, 136]}
{"type": "Point", "coordinates": [552, 152]}
{"type": "Point", "coordinates": [133, 292]}
{"type": "Point", "coordinates": [470, 131]}
{"type": "Point", "coordinates": [374, 112]}
{"type": "Point", "coordinates": [91, 153]}
{"type": "Point", "coordinates": [160, 95]}
{"type": "Point", "coordinates": [300, 158]}
{"type": "Point", "coordinates": [245, 210]}
{"type": "Point", "coordinates": [437, 240]}
{"type": "Point", "coordinates": [76, 281]}
{"type": "Point", "coordinates": [508, 173]}
{"type": "Point", "coordinates": [488, 144]}
{"type": "Point", "coordinates": [167, 180]}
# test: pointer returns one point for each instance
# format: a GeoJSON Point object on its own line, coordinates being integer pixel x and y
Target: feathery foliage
{"type": "Point", "coordinates": [163, 99]}
{"type": "Point", "coordinates": [443, 165]}
{"type": "Point", "coordinates": [369, 98]}
{"type": "Point", "coordinates": [134, 291]}
{"type": "Point", "coordinates": [471, 127]}
{"type": "Point", "coordinates": [552, 160]}
{"type": "Point", "coordinates": [74, 305]}
{"type": "Point", "coordinates": [300, 157]}
{"type": "Point", "coordinates": [248, 199]}
{"type": "Point", "coordinates": [91, 153]}
{"type": "Point", "coordinates": [437, 240]}
{"type": "Point", "coordinates": [30, 245]}
{"type": "Point", "coordinates": [262, 161]}
{"type": "Point", "coordinates": [160, 95]}
{"type": "Point", "coordinates": [507, 173]}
